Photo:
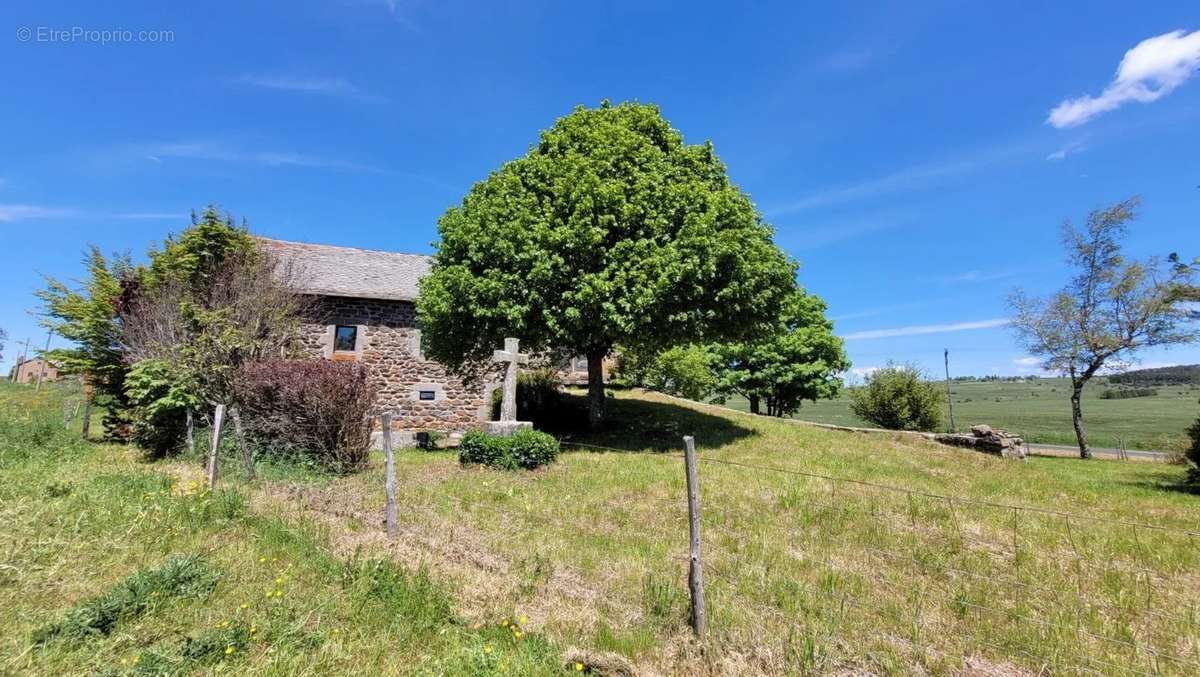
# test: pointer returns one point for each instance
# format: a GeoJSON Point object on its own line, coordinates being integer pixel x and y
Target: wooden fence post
{"type": "Point", "coordinates": [695, 574]}
{"type": "Point", "coordinates": [87, 415]}
{"type": "Point", "coordinates": [66, 413]}
{"type": "Point", "coordinates": [191, 427]}
{"type": "Point", "coordinates": [218, 417]}
{"type": "Point", "coordinates": [247, 454]}
{"type": "Point", "coordinates": [389, 478]}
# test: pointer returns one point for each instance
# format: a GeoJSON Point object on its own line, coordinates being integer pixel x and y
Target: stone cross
{"type": "Point", "coordinates": [508, 405]}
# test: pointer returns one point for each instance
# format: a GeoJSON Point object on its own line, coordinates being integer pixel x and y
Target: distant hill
{"type": "Point", "coordinates": [1169, 376]}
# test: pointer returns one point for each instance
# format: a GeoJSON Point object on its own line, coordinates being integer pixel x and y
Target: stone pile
{"type": "Point", "coordinates": [987, 440]}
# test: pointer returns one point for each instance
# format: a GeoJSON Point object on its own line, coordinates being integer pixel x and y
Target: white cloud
{"type": "Point", "coordinates": [1148, 72]}
{"type": "Point", "coordinates": [313, 85]}
{"type": "Point", "coordinates": [878, 310]}
{"type": "Point", "coordinates": [1027, 361]}
{"type": "Point", "coordinates": [10, 213]}
{"type": "Point", "coordinates": [219, 151]}
{"type": "Point", "coordinates": [916, 330]}
{"type": "Point", "coordinates": [979, 276]}
{"type": "Point", "coordinates": [1072, 148]}
{"type": "Point", "coordinates": [911, 179]}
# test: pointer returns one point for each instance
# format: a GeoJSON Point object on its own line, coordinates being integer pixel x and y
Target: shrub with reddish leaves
{"type": "Point", "coordinates": [314, 410]}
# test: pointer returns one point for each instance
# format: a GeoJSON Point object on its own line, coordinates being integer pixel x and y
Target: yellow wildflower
{"type": "Point", "coordinates": [245, 606]}
{"type": "Point", "coordinates": [228, 650]}
{"type": "Point", "coordinates": [487, 648]}
{"type": "Point", "coordinates": [579, 667]}
{"type": "Point", "coordinates": [523, 620]}
{"type": "Point", "coordinates": [517, 634]}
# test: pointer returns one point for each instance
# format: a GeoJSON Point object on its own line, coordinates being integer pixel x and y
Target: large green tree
{"type": "Point", "coordinates": [800, 360]}
{"type": "Point", "coordinates": [610, 230]}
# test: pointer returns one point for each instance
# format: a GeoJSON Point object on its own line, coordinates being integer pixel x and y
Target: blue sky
{"type": "Point", "coordinates": [913, 156]}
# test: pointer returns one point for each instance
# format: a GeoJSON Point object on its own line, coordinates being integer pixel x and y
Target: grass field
{"type": "Point", "coordinates": [1041, 410]}
{"type": "Point", "coordinates": [804, 575]}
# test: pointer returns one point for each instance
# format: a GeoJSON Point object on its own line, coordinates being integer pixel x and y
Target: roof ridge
{"type": "Point", "coordinates": [338, 246]}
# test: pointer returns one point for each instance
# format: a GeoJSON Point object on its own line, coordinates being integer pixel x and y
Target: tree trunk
{"type": "Point", "coordinates": [596, 403]}
{"type": "Point", "coordinates": [1077, 419]}
{"type": "Point", "coordinates": [754, 406]}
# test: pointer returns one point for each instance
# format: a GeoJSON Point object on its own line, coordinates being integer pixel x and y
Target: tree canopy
{"type": "Point", "coordinates": [800, 360]}
{"type": "Point", "coordinates": [610, 230]}
{"type": "Point", "coordinates": [1110, 309]}
{"type": "Point", "coordinates": [87, 316]}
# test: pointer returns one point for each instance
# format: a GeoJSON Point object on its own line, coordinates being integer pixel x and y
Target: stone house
{"type": "Point", "coordinates": [28, 371]}
{"type": "Point", "coordinates": [366, 312]}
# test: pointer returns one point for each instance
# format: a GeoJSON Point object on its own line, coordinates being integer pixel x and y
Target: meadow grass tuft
{"type": "Point", "coordinates": [179, 576]}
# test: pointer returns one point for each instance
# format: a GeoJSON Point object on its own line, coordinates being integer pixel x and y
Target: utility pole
{"type": "Point", "coordinates": [24, 352]}
{"type": "Point", "coordinates": [42, 371]}
{"type": "Point", "coordinates": [949, 400]}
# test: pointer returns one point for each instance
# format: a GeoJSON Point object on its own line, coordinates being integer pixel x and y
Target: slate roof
{"type": "Point", "coordinates": [347, 271]}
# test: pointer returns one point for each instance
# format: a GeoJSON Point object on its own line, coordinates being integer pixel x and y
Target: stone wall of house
{"type": "Point", "coordinates": [389, 344]}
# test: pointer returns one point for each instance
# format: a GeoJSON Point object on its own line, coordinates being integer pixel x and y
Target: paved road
{"type": "Point", "coordinates": [1100, 452]}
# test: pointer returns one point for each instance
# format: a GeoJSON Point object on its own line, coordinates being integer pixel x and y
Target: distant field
{"type": "Point", "coordinates": [1041, 410]}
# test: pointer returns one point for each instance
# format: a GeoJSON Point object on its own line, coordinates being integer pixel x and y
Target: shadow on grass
{"type": "Point", "coordinates": [1180, 487]}
{"type": "Point", "coordinates": [641, 425]}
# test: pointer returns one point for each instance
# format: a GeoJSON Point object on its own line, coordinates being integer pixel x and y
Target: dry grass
{"type": "Point", "coordinates": [805, 574]}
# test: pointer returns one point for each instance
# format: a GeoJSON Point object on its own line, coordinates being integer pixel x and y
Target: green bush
{"type": "Point", "coordinates": [525, 449]}
{"type": "Point", "coordinates": [158, 404]}
{"type": "Point", "coordinates": [1127, 393]}
{"type": "Point", "coordinates": [530, 449]}
{"type": "Point", "coordinates": [480, 448]}
{"type": "Point", "coordinates": [897, 398]}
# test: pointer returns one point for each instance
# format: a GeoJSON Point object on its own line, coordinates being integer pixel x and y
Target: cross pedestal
{"type": "Point", "coordinates": [512, 357]}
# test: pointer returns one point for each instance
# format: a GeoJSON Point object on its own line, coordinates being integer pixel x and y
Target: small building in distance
{"type": "Point", "coordinates": [28, 371]}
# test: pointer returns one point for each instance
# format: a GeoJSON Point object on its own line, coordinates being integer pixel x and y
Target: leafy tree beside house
{"type": "Point", "coordinates": [87, 316]}
{"type": "Point", "coordinates": [157, 339]}
{"type": "Point", "coordinates": [800, 360]}
{"type": "Point", "coordinates": [1112, 308]}
{"type": "Point", "coordinates": [609, 231]}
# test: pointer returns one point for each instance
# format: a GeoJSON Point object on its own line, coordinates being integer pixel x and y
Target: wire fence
{"type": "Point", "coordinates": [943, 577]}
{"type": "Point", "coordinates": [1075, 607]}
